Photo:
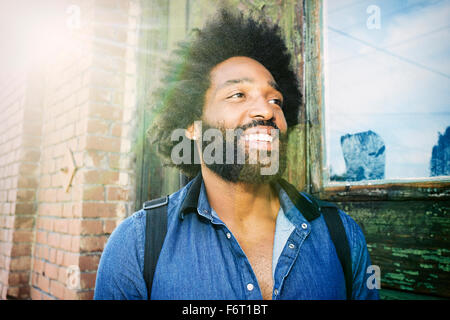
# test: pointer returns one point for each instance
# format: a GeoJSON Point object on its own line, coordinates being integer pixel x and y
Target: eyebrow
{"type": "Point", "coordinates": [230, 82]}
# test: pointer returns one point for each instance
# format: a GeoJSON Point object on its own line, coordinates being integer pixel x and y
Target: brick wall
{"type": "Point", "coordinates": [19, 145]}
{"type": "Point", "coordinates": [52, 238]}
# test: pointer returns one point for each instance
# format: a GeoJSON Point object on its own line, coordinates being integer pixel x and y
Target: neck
{"type": "Point", "coordinates": [238, 203]}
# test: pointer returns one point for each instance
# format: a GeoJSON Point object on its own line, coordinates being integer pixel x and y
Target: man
{"type": "Point", "coordinates": [233, 232]}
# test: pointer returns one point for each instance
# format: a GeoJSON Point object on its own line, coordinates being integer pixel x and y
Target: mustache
{"type": "Point", "coordinates": [256, 123]}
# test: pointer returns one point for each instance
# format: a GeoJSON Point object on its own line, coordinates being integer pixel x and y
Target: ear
{"type": "Point", "coordinates": [190, 132]}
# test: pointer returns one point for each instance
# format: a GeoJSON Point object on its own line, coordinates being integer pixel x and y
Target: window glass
{"type": "Point", "coordinates": [387, 90]}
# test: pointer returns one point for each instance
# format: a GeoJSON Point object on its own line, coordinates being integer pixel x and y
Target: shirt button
{"type": "Point", "coordinates": [291, 246]}
{"type": "Point", "coordinates": [275, 291]}
{"type": "Point", "coordinates": [228, 235]}
{"type": "Point", "coordinates": [250, 287]}
{"type": "Point", "coordinates": [304, 226]}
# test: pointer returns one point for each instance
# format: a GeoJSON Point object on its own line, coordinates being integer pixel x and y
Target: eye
{"type": "Point", "coordinates": [236, 95]}
{"type": "Point", "coordinates": [276, 101]}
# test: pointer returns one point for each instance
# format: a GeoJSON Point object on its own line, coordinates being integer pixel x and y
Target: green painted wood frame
{"type": "Point", "coordinates": [405, 222]}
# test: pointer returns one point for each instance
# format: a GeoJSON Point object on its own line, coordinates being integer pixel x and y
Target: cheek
{"type": "Point", "coordinates": [281, 121]}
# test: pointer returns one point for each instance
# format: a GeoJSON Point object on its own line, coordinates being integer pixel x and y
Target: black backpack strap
{"type": "Point", "coordinates": [155, 233]}
{"type": "Point", "coordinates": [338, 236]}
{"type": "Point", "coordinates": [308, 208]}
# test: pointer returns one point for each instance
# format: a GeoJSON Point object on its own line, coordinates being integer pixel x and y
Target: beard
{"type": "Point", "coordinates": [242, 168]}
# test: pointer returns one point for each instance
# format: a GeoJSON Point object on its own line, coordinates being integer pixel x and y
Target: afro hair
{"type": "Point", "coordinates": [180, 99]}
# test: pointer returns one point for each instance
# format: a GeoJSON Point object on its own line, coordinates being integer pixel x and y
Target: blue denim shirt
{"type": "Point", "coordinates": [202, 260]}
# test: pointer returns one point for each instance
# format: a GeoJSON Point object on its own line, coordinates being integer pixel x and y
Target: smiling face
{"type": "Point", "coordinates": [243, 90]}
{"type": "Point", "coordinates": [244, 96]}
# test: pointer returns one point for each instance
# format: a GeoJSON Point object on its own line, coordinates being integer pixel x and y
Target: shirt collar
{"type": "Point", "coordinates": [197, 201]}
{"type": "Point", "coordinates": [190, 201]}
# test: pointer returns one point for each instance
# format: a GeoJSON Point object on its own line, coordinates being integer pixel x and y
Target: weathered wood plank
{"type": "Point", "coordinates": [409, 241]}
{"type": "Point", "coordinates": [151, 48]}
{"type": "Point", "coordinates": [313, 94]}
{"type": "Point", "coordinates": [427, 190]}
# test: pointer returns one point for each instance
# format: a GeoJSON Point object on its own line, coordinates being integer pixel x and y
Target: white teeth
{"type": "Point", "coordinates": [258, 137]}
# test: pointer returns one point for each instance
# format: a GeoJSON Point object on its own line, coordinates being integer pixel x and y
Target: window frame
{"type": "Point", "coordinates": [399, 189]}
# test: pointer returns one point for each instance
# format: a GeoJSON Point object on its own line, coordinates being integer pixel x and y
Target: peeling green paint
{"type": "Point", "coordinates": [405, 288]}
{"type": "Point", "coordinates": [428, 286]}
{"type": "Point", "coordinates": [397, 254]}
{"type": "Point", "coordinates": [396, 276]}
{"type": "Point", "coordinates": [413, 273]}
{"type": "Point", "coordinates": [445, 260]}
{"type": "Point", "coordinates": [444, 267]}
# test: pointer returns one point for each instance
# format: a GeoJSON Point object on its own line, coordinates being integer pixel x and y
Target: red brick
{"type": "Point", "coordinates": [30, 155]}
{"type": "Point", "coordinates": [70, 294]}
{"type": "Point", "coordinates": [19, 292]}
{"type": "Point", "coordinates": [77, 194]}
{"type": "Point", "coordinates": [13, 292]}
{"type": "Point", "coordinates": [18, 278]}
{"type": "Point", "coordinates": [46, 296]}
{"type": "Point", "coordinates": [20, 263]}
{"type": "Point", "coordinates": [42, 252]}
{"type": "Point", "coordinates": [28, 169]}
{"type": "Point", "coordinates": [65, 242]}
{"type": "Point", "coordinates": [87, 280]}
{"type": "Point", "coordinates": [67, 210]}
{"type": "Point", "coordinates": [71, 259]}
{"type": "Point", "coordinates": [74, 227]}
{"type": "Point", "coordinates": [105, 112]}
{"type": "Point", "coordinates": [75, 245]}
{"type": "Point", "coordinates": [38, 265]}
{"type": "Point", "coordinates": [12, 195]}
{"type": "Point", "coordinates": [35, 294]}
{"type": "Point", "coordinates": [45, 223]}
{"type": "Point", "coordinates": [60, 225]}
{"type": "Point", "coordinates": [23, 222]}
{"type": "Point", "coordinates": [96, 210]}
{"type": "Point", "coordinates": [59, 257]}
{"type": "Point", "coordinates": [109, 226]}
{"type": "Point", "coordinates": [57, 289]}
{"type": "Point", "coordinates": [62, 274]}
{"type": "Point", "coordinates": [51, 271]}
{"type": "Point", "coordinates": [53, 239]}
{"type": "Point", "coordinates": [96, 159]}
{"type": "Point", "coordinates": [21, 249]}
{"type": "Point", "coordinates": [89, 262]}
{"type": "Point", "coordinates": [8, 222]}
{"type": "Point", "coordinates": [77, 210]}
{"type": "Point", "coordinates": [92, 243]}
{"type": "Point", "coordinates": [86, 295]}
{"type": "Point", "coordinates": [22, 236]}
{"type": "Point", "coordinates": [50, 209]}
{"type": "Point", "coordinates": [117, 194]}
{"type": "Point", "coordinates": [25, 195]}
{"type": "Point", "coordinates": [97, 126]}
{"type": "Point", "coordinates": [52, 255]}
{"type": "Point", "coordinates": [56, 181]}
{"type": "Point", "coordinates": [62, 195]}
{"type": "Point", "coordinates": [5, 250]}
{"type": "Point", "coordinates": [94, 193]}
{"type": "Point", "coordinates": [91, 227]}
{"type": "Point", "coordinates": [116, 130]}
{"type": "Point", "coordinates": [100, 177]}
{"type": "Point", "coordinates": [28, 182]}
{"type": "Point", "coordinates": [103, 143]}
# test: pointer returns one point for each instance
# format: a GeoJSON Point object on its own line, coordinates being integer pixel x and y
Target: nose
{"type": "Point", "coordinates": [262, 110]}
